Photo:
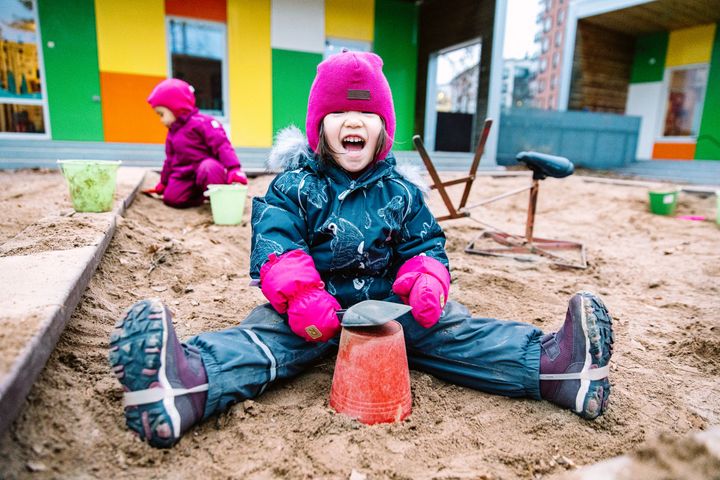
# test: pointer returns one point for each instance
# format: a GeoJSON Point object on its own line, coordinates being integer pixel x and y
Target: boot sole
{"type": "Point", "coordinates": [592, 397]}
{"type": "Point", "coordinates": [144, 329]}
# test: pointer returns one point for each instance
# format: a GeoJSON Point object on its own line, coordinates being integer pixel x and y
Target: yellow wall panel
{"type": "Point", "coordinates": [350, 19]}
{"type": "Point", "coordinates": [131, 36]}
{"type": "Point", "coordinates": [690, 45]}
{"type": "Point", "coordinates": [250, 71]}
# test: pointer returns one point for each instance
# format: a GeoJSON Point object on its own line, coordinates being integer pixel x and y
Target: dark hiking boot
{"type": "Point", "coordinates": [574, 361]}
{"type": "Point", "coordinates": [165, 382]}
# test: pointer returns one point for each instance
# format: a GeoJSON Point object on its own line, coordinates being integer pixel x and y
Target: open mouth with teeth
{"type": "Point", "coordinates": [353, 143]}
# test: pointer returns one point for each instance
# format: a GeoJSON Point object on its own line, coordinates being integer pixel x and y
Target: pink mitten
{"type": "Point", "coordinates": [237, 176]}
{"type": "Point", "coordinates": [159, 188]}
{"type": "Point", "coordinates": [292, 285]}
{"type": "Point", "coordinates": [423, 283]}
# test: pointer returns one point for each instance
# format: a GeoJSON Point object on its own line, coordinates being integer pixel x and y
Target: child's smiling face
{"type": "Point", "coordinates": [167, 118]}
{"type": "Point", "coordinates": [353, 136]}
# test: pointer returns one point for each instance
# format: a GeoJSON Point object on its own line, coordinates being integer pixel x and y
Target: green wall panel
{"type": "Point", "coordinates": [292, 75]}
{"type": "Point", "coordinates": [71, 68]}
{"type": "Point", "coordinates": [396, 42]}
{"type": "Point", "coordinates": [649, 63]}
{"type": "Point", "coordinates": [708, 141]}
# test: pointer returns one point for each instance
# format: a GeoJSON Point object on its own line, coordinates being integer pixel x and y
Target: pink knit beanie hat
{"type": "Point", "coordinates": [174, 94]}
{"type": "Point", "coordinates": [350, 81]}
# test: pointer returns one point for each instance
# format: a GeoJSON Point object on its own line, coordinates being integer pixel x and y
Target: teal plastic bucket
{"type": "Point", "coordinates": [91, 183]}
{"type": "Point", "coordinates": [227, 203]}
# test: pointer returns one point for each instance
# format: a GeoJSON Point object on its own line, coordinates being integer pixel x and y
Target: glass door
{"type": "Point", "coordinates": [23, 109]}
{"type": "Point", "coordinates": [451, 101]}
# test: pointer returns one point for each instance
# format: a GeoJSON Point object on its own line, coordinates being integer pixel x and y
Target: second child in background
{"type": "Point", "coordinates": [198, 152]}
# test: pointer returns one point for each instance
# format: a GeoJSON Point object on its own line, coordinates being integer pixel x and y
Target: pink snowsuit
{"type": "Point", "coordinates": [198, 153]}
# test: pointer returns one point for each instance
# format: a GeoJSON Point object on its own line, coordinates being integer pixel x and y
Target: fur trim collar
{"type": "Point", "coordinates": [289, 150]}
{"type": "Point", "coordinates": [413, 174]}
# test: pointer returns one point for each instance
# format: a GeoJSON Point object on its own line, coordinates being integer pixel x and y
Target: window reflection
{"type": "Point", "coordinates": [197, 54]}
{"type": "Point", "coordinates": [21, 93]}
{"type": "Point", "coordinates": [19, 71]}
{"type": "Point", "coordinates": [17, 118]}
{"type": "Point", "coordinates": [685, 101]}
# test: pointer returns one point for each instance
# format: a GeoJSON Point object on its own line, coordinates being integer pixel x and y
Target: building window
{"type": "Point", "coordinates": [543, 64]}
{"type": "Point", "coordinates": [558, 38]}
{"type": "Point", "coordinates": [560, 17]}
{"type": "Point", "coordinates": [22, 102]}
{"type": "Point", "coordinates": [553, 81]}
{"type": "Point", "coordinates": [458, 76]}
{"type": "Point", "coordinates": [336, 45]}
{"type": "Point", "coordinates": [555, 59]}
{"type": "Point", "coordinates": [547, 25]}
{"type": "Point", "coordinates": [198, 56]}
{"type": "Point", "coordinates": [545, 45]}
{"type": "Point", "coordinates": [684, 102]}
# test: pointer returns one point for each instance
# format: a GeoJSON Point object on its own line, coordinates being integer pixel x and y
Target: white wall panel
{"type": "Point", "coordinates": [298, 25]}
{"type": "Point", "coordinates": [644, 101]}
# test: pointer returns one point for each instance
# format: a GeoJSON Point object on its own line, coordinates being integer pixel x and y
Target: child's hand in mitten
{"type": "Point", "coordinates": [237, 176]}
{"type": "Point", "coordinates": [313, 315]}
{"type": "Point", "coordinates": [423, 283]}
{"type": "Point", "coordinates": [292, 285]}
{"type": "Point", "coordinates": [158, 189]}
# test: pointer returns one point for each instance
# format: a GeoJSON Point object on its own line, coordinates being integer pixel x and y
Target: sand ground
{"type": "Point", "coordinates": [659, 277]}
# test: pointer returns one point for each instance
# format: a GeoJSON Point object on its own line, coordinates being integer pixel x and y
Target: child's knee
{"type": "Point", "coordinates": [210, 171]}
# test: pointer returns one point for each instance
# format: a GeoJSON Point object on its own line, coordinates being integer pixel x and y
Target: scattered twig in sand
{"type": "Point", "coordinates": [155, 263]}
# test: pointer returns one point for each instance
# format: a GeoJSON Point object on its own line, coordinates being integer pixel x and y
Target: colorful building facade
{"type": "Point", "coordinates": [655, 59]}
{"type": "Point", "coordinates": [82, 69]}
{"type": "Point", "coordinates": [251, 63]}
{"type": "Point", "coordinates": [672, 90]}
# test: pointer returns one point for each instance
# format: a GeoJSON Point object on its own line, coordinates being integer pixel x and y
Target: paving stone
{"type": "Point", "coordinates": [43, 274]}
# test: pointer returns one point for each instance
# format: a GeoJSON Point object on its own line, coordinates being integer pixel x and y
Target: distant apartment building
{"type": "Point", "coordinates": [551, 21]}
{"type": "Point", "coordinates": [518, 83]}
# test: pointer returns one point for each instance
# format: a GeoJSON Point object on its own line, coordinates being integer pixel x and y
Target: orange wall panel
{"type": "Point", "coordinates": [127, 117]}
{"type": "Point", "coordinates": [674, 151]}
{"type": "Point", "coordinates": [214, 10]}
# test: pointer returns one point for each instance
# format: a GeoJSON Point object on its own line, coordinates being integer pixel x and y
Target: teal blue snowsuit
{"type": "Point", "coordinates": [359, 232]}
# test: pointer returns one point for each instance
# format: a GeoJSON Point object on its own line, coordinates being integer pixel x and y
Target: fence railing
{"type": "Point", "coordinates": [589, 139]}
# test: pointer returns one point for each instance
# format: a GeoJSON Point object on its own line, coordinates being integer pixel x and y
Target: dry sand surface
{"type": "Point", "coordinates": [659, 276]}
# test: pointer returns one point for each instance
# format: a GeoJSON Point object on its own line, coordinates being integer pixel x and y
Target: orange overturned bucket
{"type": "Point", "coordinates": [371, 382]}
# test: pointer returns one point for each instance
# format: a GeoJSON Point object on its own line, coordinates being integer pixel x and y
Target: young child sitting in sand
{"type": "Point", "coordinates": [340, 225]}
{"type": "Point", "coordinates": [198, 153]}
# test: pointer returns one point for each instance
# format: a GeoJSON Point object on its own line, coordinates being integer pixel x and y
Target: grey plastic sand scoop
{"type": "Point", "coordinates": [371, 313]}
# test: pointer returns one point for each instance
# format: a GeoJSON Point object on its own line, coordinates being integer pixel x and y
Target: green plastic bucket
{"type": "Point", "coordinates": [91, 183]}
{"type": "Point", "coordinates": [663, 202]}
{"type": "Point", "coordinates": [227, 203]}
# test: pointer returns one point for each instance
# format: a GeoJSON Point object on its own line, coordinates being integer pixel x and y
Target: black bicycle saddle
{"type": "Point", "coordinates": [544, 165]}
